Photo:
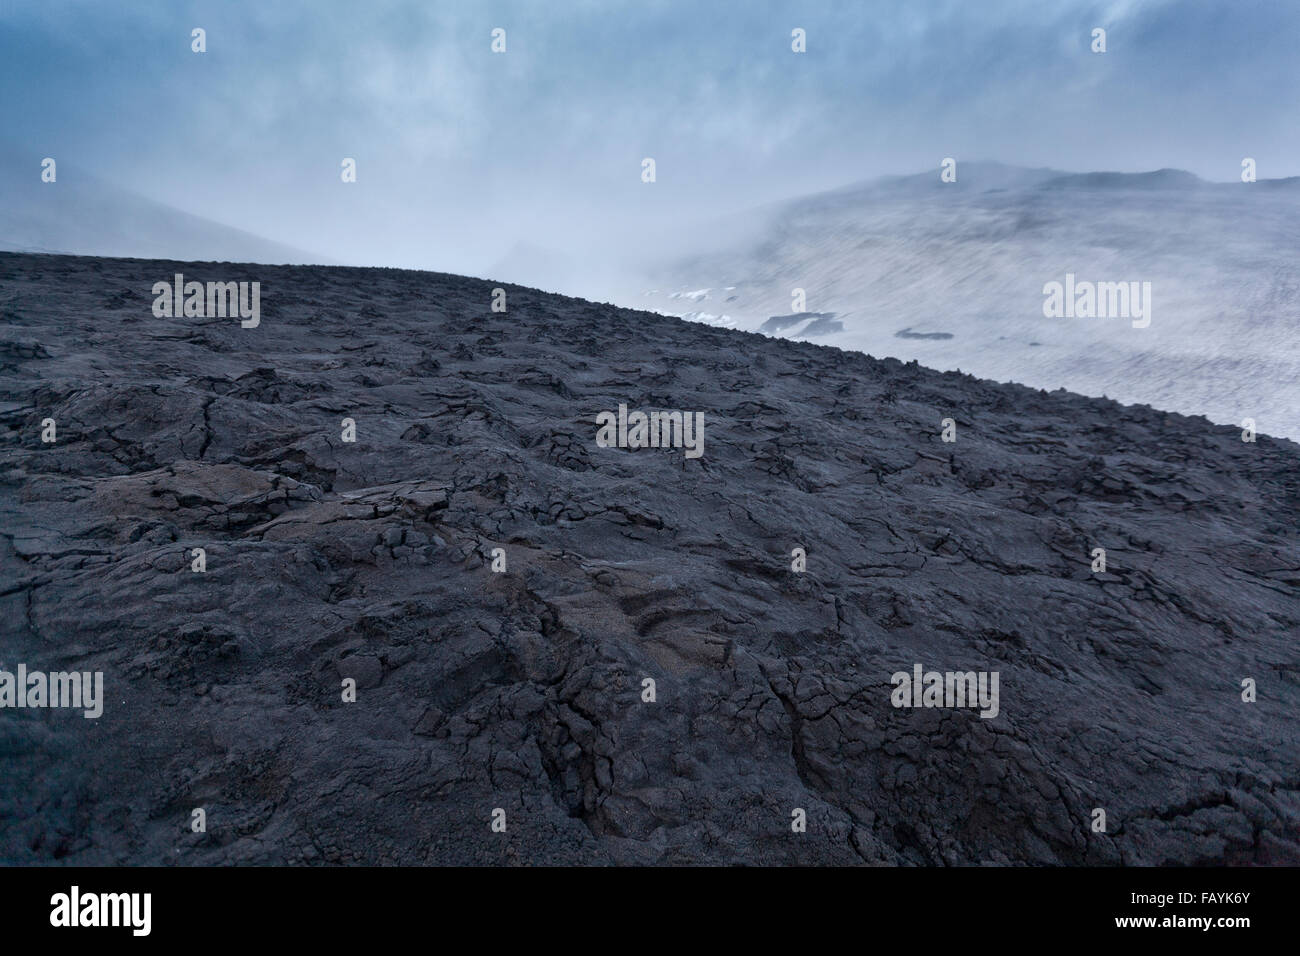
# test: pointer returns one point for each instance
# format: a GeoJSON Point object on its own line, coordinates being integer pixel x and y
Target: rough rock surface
{"type": "Point", "coordinates": [522, 690]}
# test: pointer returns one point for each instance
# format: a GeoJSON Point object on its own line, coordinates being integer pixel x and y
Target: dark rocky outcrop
{"type": "Point", "coordinates": [523, 690]}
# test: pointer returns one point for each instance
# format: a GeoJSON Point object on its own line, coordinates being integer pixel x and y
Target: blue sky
{"type": "Point", "coordinates": [462, 152]}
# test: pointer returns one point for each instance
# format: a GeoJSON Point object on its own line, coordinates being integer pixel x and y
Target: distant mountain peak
{"type": "Point", "coordinates": [1157, 179]}
{"type": "Point", "coordinates": [979, 176]}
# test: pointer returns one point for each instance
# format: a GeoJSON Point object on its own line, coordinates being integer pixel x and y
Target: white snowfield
{"type": "Point", "coordinates": [955, 276]}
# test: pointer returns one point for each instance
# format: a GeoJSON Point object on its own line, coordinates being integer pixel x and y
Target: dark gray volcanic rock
{"type": "Point", "coordinates": [522, 690]}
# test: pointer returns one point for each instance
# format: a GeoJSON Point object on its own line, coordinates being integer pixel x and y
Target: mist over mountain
{"type": "Point", "coordinates": [83, 214]}
{"type": "Point", "coordinates": [953, 275]}
{"type": "Point", "coordinates": [529, 264]}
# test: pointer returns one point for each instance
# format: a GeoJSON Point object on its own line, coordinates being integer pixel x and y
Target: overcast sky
{"type": "Point", "coordinates": [461, 152]}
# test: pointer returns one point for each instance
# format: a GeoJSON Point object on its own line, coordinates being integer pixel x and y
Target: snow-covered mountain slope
{"type": "Point", "coordinates": [953, 275]}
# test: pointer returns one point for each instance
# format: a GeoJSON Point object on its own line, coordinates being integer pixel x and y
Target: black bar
{"type": "Point", "coordinates": [330, 906]}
